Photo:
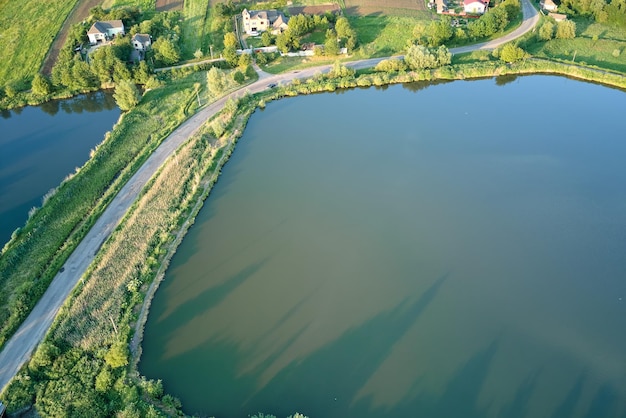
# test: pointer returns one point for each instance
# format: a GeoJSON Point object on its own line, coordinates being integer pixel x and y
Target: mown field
{"type": "Point", "coordinates": [27, 29]}
{"type": "Point", "coordinates": [195, 27]}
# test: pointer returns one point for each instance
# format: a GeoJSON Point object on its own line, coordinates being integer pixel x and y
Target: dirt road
{"type": "Point", "coordinates": [19, 348]}
{"type": "Point", "coordinates": [78, 14]}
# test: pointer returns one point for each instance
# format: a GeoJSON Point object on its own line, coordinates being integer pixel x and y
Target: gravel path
{"type": "Point", "coordinates": [19, 348]}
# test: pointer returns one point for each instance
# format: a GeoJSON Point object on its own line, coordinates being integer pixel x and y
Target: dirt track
{"type": "Point", "coordinates": [169, 5]}
{"type": "Point", "coordinates": [78, 14]}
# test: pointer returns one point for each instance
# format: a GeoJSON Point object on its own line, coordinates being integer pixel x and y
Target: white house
{"type": "Point", "coordinates": [102, 31]}
{"type": "Point", "coordinates": [548, 5]}
{"type": "Point", "coordinates": [255, 21]}
{"type": "Point", "coordinates": [141, 41]}
{"type": "Point", "coordinates": [475, 7]}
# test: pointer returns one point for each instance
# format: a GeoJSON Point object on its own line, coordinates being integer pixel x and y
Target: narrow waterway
{"type": "Point", "coordinates": [448, 250]}
{"type": "Point", "coordinates": [41, 145]}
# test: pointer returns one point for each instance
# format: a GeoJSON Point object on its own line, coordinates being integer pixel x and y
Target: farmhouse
{"type": "Point", "coordinates": [102, 31]}
{"type": "Point", "coordinates": [476, 7]}
{"type": "Point", "coordinates": [548, 5]}
{"type": "Point", "coordinates": [141, 41]}
{"type": "Point", "coordinates": [255, 21]}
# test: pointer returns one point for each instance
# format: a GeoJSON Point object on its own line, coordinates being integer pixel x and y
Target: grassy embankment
{"type": "Point", "coordinates": [79, 346]}
{"type": "Point", "coordinates": [36, 252]}
{"type": "Point", "coordinates": [28, 29]}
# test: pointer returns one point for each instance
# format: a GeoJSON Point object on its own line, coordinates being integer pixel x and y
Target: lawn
{"type": "Point", "coordinates": [28, 28]}
{"type": "Point", "coordinates": [596, 44]}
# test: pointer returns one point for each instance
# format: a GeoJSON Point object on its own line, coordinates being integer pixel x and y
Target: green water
{"type": "Point", "coordinates": [452, 250]}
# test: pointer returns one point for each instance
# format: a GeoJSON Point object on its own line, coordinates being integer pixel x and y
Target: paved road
{"type": "Point", "coordinates": [19, 348]}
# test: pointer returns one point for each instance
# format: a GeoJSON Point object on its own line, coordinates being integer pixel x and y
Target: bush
{"type": "Point", "coordinates": [511, 53]}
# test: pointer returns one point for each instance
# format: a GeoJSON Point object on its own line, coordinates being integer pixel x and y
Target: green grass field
{"type": "Point", "coordinates": [595, 44]}
{"type": "Point", "coordinates": [27, 29]}
{"type": "Point", "coordinates": [384, 35]}
{"type": "Point", "coordinates": [195, 27]}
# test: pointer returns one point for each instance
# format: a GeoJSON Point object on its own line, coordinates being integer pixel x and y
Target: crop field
{"type": "Point", "coordinates": [28, 28]}
{"type": "Point", "coordinates": [385, 7]}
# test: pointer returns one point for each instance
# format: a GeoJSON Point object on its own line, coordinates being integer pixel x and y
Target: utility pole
{"type": "Point", "coordinates": [211, 48]}
{"type": "Point", "coordinates": [574, 58]}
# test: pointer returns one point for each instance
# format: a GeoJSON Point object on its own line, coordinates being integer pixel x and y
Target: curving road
{"type": "Point", "coordinates": [18, 349]}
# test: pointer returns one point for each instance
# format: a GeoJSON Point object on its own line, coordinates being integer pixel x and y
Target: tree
{"type": "Point", "coordinates": [230, 55]}
{"type": "Point", "coordinates": [439, 31]}
{"type": "Point", "coordinates": [566, 29]}
{"type": "Point", "coordinates": [546, 31]}
{"type": "Point", "coordinates": [244, 61]}
{"type": "Point", "coordinates": [266, 38]}
{"type": "Point", "coordinates": [41, 86]}
{"type": "Point", "coordinates": [216, 81]}
{"type": "Point", "coordinates": [117, 356]}
{"type": "Point", "coordinates": [287, 41]}
{"type": "Point", "coordinates": [511, 53]}
{"type": "Point", "coordinates": [419, 57]}
{"type": "Point", "coordinates": [142, 73]}
{"type": "Point", "coordinates": [230, 40]}
{"type": "Point", "coordinates": [165, 51]}
{"type": "Point", "coordinates": [126, 96]}
{"type": "Point", "coordinates": [339, 70]}
{"type": "Point", "coordinates": [331, 45]}
{"type": "Point", "coordinates": [238, 77]}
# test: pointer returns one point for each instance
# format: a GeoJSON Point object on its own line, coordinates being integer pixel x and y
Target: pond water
{"type": "Point", "coordinates": [448, 250]}
{"type": "Point", "coordinates": [41, 145]}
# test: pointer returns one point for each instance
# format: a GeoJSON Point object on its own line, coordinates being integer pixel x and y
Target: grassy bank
{"type": "Point", "coordinates": [35, 254]}
{"type": "Point", "coordinates": [28, 29]}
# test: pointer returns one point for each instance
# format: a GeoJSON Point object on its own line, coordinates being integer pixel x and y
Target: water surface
{"type": "Point", "coordinates": [453, 250]}
{"type": "Point", "coordinates": [41, 145]}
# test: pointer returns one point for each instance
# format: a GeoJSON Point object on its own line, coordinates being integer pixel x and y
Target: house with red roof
{"type": "Point", "coordinates": [475, 7]}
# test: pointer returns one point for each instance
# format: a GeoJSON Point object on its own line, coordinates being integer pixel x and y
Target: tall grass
{"type": "Point", "coordinates": [27, 29]}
